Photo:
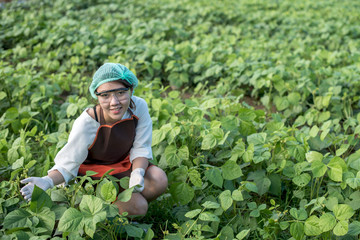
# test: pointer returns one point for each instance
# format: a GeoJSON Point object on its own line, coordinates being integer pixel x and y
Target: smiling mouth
{"type": "Point", "coordinates": [116, 109]}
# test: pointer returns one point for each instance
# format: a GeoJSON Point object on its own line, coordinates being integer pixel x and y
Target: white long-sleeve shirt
{"type": "Point", "coordinates": [82, 136]}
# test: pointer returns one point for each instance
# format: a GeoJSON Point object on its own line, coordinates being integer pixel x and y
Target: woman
{"type": "Point", "coordinates": [115, 134]}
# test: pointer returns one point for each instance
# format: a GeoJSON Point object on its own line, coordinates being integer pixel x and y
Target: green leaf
{"type": "Point", "coordinates": [91, 204]}
{"type": "Point", "coordinates": [231, 170]}
{"type": "Point", "coordinates": [90, 173]}
{"type": "Point", "coordinates": [343, 212]}
{"type": "Point", "coordinates": [58, 195]}
{"type": "Point", "coordinates": [313, 156]}
{"type": "Point", "coordinates": [248, 156]}
{"type": "Point", "coordinates": [297, 230]}
{"type": "Point", "coordinates": [284, 225]}
{"type": "Point", "coordinates": [174, 132]}
{"type": "Point", "coordinates": [158, 135]}
{"type": "Point", "coordinates": [247, 128]}
{"type": "Point", "coordinates": [314, 131]}
{"type": "Point", "coordinates": [195, 177]}
{"type": "Point", "coordinates": [225, 199]}
{"type": "Point", "coordinates": [18, 163]}
{"type": "Point", "coordinates": [237, 195]}
{"type": "Point", "coordinates": [193, 213]}
{"type": "Point", "coordinates": [297, 151]}
{"type": "Point", "coordinates": [14, 173]}
{"type": "Point", "coordinates": [47, 219]}
{"type": "Point", "coordinates": [246, 114]}
{"type": "Point", "coordinates": [30, 164]}
{"type": "Point", "coordinates": [108, 191]}
{"type": "Point", "coordinates": [323, 116]}
{"type": "Point", "coordinates": [281, 103]}
{"type": "Point", "coordinates": [39, 199]}
{"type": "Point", "coordinates": [302, 180]}
{"type": "Point", "coordinates": [300, 214]}
{"type": "Point", "coordinates": [12, 154]}
{"type": "Point", "coordinates": [2, 95]}
{"type": "Point", "coordinates": [354, 228]}
{"type": "Point", "coordinates": [318, 169]}
{"type": "Point", "coordinates": [133, 231]}
{"type": "Point", "coordinates": [71, 110]}
{"type": "Point", "coordinates": [251, 187]}
{"type": "Point", "coordinates": [214, 176]}
{"type": "Point", "coordinates": [252, 205]}
{"type": "Point", "coordinates": [210, 205]}
{"type": "Point", "coordinates": [294, 98]}
{"type": "Point", "coordinates": [71, 221]}
{"type": "Point", "coordinates": [217, 132]}
{"type": "Point", "coordinates": [174, 156]}
{"type": "Point", "coordinates": [149, 234]}
{"type": "Point", "coordinates": [257, 139]}
{"type": "Point", "coordinates": [18, 218]}
{"type": "Point", "coordinates": [299, 121]}
{"type": "Point", "coordinates": [242, 234]}
{"type": "Point", "coordinates": [327, 222]}
{"type": "Point", "coordinates": [312, 226]}
{"type": "Point", "coordinates": [208, 216]}
{"type": "Point", "coordinates": [317, 144]}
{"type": "Point", "coordinates": [11, 113]}
{"type": "Point", "coordinates": [331, 202]}
{"type": "Point", "coordinates": [354, 183]}
{"type": "Point", "coordinates": [227, 233]}
{"type": "Point", "coordinates": [238, 150]}
{"type": "Point", "coordinates": [93, 212]}
{"type": "Point", "coordinates": [182, 193]}
{"type": "Point", "coordinates": [342, 149]}
{"type": "Point", "coordinates": [337, 166]}
{"type": "Point", "coordinates": [125, 195]}
{"type": "Point", "coordinates": [210, 103]}
{"type": "Point", "coordinates": [354, 160]}
{"type": "Point", "coordinates": [255, 213]}
{"type": "Point", "coordinates": [263, 185]}
{"type": "Point", "coordinates": [183, 153]}
{"type": "Point", "coordinates": [209, 142]}
{"type": "Point", "coordinates": [341, 228]}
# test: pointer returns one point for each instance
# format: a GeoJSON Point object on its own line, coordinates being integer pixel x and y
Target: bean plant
{"type": "Point", "coordinates": [255, 111]}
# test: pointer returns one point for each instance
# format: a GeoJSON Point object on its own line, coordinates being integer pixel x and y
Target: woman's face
{"type": "Point", "coordinates": [114, 103]}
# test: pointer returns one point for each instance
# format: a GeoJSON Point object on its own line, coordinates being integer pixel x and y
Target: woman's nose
{"type": "Point", "coordinates": [114, 99]}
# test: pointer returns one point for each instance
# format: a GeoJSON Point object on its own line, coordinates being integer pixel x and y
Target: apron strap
{"type": "Point", "coordinates": [131, 113]}
{"type": "Point", "coordinates": [102, 119]}
{"type": "Point", "coordinates": [96, 117]}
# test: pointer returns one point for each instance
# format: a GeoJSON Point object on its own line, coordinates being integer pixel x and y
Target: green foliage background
{"type": "Point", "coordinates": [255, 110]}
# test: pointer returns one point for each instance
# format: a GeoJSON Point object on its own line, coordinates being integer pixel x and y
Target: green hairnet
{"type": "Point", "coordinates": [112, 72]}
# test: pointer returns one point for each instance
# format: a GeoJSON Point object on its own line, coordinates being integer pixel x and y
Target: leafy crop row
{"type": "Point", "coordinates": [284, 164]}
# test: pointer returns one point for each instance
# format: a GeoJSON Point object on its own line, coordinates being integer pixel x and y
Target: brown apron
{"type": "Point", "coordinates": [111, 147]}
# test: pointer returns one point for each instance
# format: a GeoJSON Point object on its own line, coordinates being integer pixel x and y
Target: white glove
{"type": "Point", "coordinates": [137, 178]}
{"type": "Point", "coordinates": [44, 183]}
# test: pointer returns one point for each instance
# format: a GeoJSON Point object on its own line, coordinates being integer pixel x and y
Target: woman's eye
{"type": "Point", "coordinates": [104, 95]}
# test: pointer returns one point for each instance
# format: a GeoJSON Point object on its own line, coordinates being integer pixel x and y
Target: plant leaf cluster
{"type": "Point", "coordinates": [255, 111]}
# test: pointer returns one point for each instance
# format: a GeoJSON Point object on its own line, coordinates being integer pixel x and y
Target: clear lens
{"type": "Point", "coordinates": [119, 94]}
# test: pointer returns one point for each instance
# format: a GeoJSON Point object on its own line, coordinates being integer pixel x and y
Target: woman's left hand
{"type": "Point", "coordinates": [137, 179]}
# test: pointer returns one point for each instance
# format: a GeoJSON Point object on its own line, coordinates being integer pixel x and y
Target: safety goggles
{"type": "Point", "coordinates": [119, 93]}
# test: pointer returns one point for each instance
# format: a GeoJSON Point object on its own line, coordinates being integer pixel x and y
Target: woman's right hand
{"type": "Point", "coordinates": [44, 183]}
{"type": "Point", "coordinates": [137, 179]}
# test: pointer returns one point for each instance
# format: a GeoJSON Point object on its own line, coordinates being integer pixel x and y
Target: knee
{"type": "Point", "coordinates": [159, 181]}
{"type": "Point", "coordinates": [163, 182]}
{"type": "Point", "coordinates": [137, 205]}
{"type": "Point", "coordinates": [140, 207]}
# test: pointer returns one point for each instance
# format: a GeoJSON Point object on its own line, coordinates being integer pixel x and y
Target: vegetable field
{"type": "Point", "coordinates": [255, 107]}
